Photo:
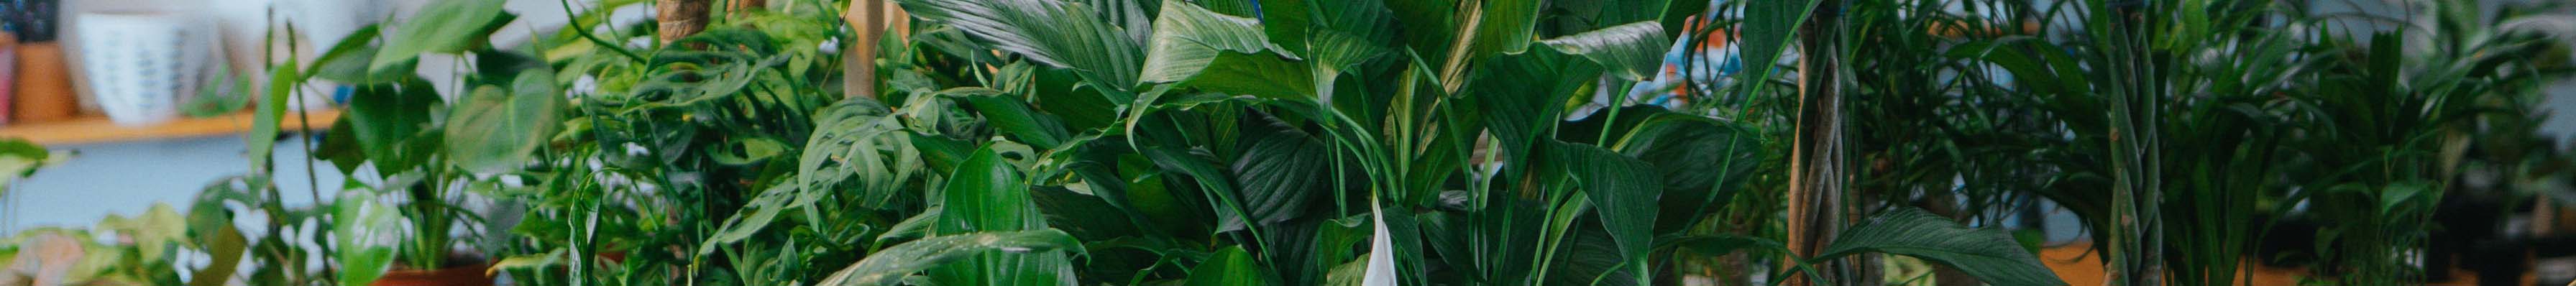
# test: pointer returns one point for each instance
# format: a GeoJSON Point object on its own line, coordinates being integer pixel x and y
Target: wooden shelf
{"type": "Point", "coordinates": [92, 128]}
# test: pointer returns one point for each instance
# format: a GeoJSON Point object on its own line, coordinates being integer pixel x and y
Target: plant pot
{"type": "Point", "coordinates": [44, 86]}
{"type": "Point", "coordinates": [140, 64]}
{"type": "Point", "coordinates": [466, 275]}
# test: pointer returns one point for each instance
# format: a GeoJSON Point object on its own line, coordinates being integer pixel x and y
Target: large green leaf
{"type": "Point", "coordinates": [1281, 173]}
{"type": "Point", "coordinates": [491, 132]}
{"type": "Point", "coordinates": [1261, 75]}
{"type": "Point", "coordinates": [1768, 26]}
{"type": "Point", "coordinates": [364, 237]}
{"type": "Point", "coordinates": [1625, 191]}
{"type": "Point", "coordinates": [1989, 254]}
{"type": "Point", "coordinates": [449, 26]}
{"type": "Point", "coordinates": [389, 122]}
{"type": "Point", "coordinates": [988, 194]}
{"type": "Point", "coordinates": [1229, 267]}
{"type": "Point", "coordinates": [886, 267]}
{"type": "Point", "coordinates": [1503, 27]}
{"type": "Point", "coordinates": [1634, 50]}
{"type": "Point", "coordinates": [1056, 33]}
{"type": "Point", "coordinates": [1187, 38]}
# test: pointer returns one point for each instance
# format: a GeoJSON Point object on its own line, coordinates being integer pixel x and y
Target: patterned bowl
{"type": "Point", "coordinates": [140, 63]}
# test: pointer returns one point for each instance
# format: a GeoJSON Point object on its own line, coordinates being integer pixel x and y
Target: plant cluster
{"type": "Point", "coordinates": [1373, 142]}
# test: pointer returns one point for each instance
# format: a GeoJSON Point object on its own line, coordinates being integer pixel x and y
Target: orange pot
{"type": "Point", "coordinates": [468, 275]}
{"type": "Point", "coordinates": [44, 85]}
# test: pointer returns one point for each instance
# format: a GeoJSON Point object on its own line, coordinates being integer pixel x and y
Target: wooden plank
{"type": "Point", "coordinates": [98, 129]}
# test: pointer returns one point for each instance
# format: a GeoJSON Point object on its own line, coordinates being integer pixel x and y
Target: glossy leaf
{"type": "Point", "coordinates": [1187, 38]}
{"type": "Point", "coordinates": [889, 266]}
{"type": "Point", "coordinates": [1283, 172]}
{"type": "Point", "coordinates": [1056, 33]}
{"type": "Point", "coordinates": [1000, 201]}
{"type": "Point", "coordinates": [1634, 51]}
{"type": "Point", "coordinates": [1503, 27]}
{"type": "Point", "coordinates": [1989, 254]}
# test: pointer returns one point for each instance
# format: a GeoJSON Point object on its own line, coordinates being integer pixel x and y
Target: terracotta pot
{"type": "Point", "coordinates": [468, 275]}
{"type": "Point", "coordinates": [44, 85]}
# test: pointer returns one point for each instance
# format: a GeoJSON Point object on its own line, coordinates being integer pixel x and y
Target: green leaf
{"type": "Point", "coordinates": [1624, 190]}
{"type": "Point", "coordinates": [1261, 75]}
{"type": "Point", "coordinates": [1634, 50]}
{"type": "Point", "coordinates": [263, 128]}
{"type": "Point", "coordinates": [1704, 162]}
{"type": "Point", "coordinates": [1012, 116]}
{"type": "Point", "coordinates": [364, 236]}
{"type": "Point", "coordinates": [153, 232]}
{"type": "Point", "coordinates": [856, 138]}
{"type": "Point", "coordinates": [389, 121]}
{"type": "Point", "coordinates": [1228, 207]}
{"type": "Point", "coordinates": [491, 132]}
{"type": "Point", "coordinates": [1768, 26]}
{"type": "Point", "coordinates": [1056, 33]}
{"type": "Point", "coordinates": [1187, 38]}
{"type": "Point", "coordinates": [19, 158]}
{"type": "Point", "coordinates": [1281, 173]}
{"type": "Point", "coordinates": [886, 267]}
{"type": "Point", "coordinates": [999, 200]}
{"type": "Point", "coordinates": [450, 26]}
{"type": "Point", "coordinates": [352, 61]}
{"type": "Point", "coordinates": [1503, 27]}
{"type": "Point", "coordinates": [1989, 254]}
{"type": "Point", "coordinates": [1229, 267]}
{"type": "Point", "coordinates": [224, 248]}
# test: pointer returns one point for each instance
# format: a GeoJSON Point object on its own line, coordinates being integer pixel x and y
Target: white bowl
{"type": "Point", "coordinates": [140, 64]}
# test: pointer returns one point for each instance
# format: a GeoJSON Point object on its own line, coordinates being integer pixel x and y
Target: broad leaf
{"type": "Point", "coordinates": [886, 267]}
{"type": "Point", "coordinates": [444, 26]}
{"type": "Point", "coordinates": [491, 132]}
{"type": "Point", "coordinates": [987, 194]}
{"type": "Point", "coordinates": [1503, 27]}
{"type": "Point", "coordinates": [364, 237]}
{"type": "Point", "coordinates": [1056, 33]}
{"type": "Point", "coordinates": [1261, 75]}
{"type": "Point", "coordinates": [1187, 38]}
{"type": "Point", "coordinates": [1989, 254]}
{"type": "Point", "coordinates": [1624, 190]}
{"type": "Point", "coordinates": [1282, 172]}
{"type": "Point", "coordinates": [390, 120]}
{"type": "Point", "coordinates": [1633, 51]}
